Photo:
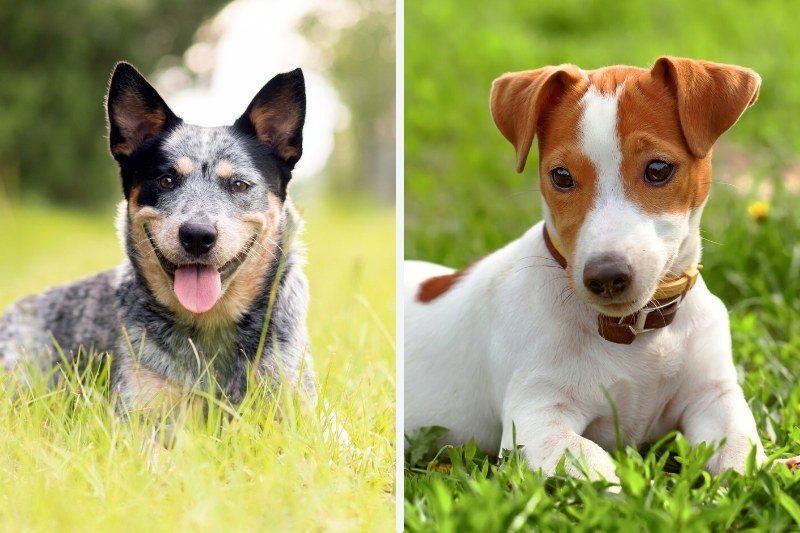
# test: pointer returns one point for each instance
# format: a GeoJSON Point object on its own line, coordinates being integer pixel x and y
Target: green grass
{"type": "Point", "coordinates": [67, 463]}
{"type": "Point", "coordinates": [464, 200]}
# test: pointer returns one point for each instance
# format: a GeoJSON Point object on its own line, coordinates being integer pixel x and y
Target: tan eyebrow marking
{"type": "Point", "coordinates": [184, 165]}
{"type": "Point", "coordinates": [224, 169]}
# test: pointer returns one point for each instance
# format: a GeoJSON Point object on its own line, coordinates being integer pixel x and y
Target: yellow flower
{"type": "Point", "coordinates": [758, 210]}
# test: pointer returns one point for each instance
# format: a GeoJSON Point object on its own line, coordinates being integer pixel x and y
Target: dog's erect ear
{"type": "Point", "coordinates": [711, 97]}
{"type": "Point", "coordinates": [519, 100]}
{"type": "Point", "coordinates": [276, 115]}
{"type": "Point", "coordinates": [135, 110]}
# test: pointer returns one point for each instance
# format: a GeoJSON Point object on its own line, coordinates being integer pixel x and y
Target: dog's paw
{"type": "Point", "coordinates": [235, 395]}
{"type": "Point", "coordinates": [236, 387]}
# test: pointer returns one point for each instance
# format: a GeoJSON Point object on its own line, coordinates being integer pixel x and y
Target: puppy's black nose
{"type": "Point", "coordinates": [197, 239]}
{"type": "Point", "coordinates": [607, 276]}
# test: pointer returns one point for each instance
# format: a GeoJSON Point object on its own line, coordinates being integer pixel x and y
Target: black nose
{"type": "Point", "coordinates": [607, 276]}
{"type": "Point", "coordinates": [197, 239]}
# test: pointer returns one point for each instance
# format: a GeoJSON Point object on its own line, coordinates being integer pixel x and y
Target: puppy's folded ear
{"type": "Point", "coordinates": [520, 100]}
{"type": "Point", "coordinates": [711, 97]}
{"type": "Point", "coordinates": [276, 116]}
{"type": "Point", "coordinates": [136, 112]}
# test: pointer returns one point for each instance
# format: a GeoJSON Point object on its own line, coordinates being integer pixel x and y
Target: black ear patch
{"type": "Point", "coordinates": [135, 110]}
{"type": "Point", "coordinates": [276, 116]}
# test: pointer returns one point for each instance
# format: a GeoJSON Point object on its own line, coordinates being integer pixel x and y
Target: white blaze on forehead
{"type": "Point", "coordinates": [600, 140]}
{"type": "Point", "coordinates": [614, 223]}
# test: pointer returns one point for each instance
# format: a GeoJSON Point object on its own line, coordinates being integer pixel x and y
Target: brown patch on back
{"type": "Point", "coordinates": [184, 166]}
{"type": "Point", "coordinates": [224, 169]}
{"type": "Point", "coordinates": [432, 288]}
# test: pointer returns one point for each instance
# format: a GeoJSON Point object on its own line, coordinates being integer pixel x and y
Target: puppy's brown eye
{"type": "Point", "coordinates": [562, 179]}
{"type": "Point", "coordinates": [658, 172]}
{"type": "Point", "coordinates": [166, 182]}
{"type": "Point", "coordinates": [239, 186]}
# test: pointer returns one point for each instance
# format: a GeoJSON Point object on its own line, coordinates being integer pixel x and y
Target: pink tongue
{"type": "Point", "coordinates": [197, 287]}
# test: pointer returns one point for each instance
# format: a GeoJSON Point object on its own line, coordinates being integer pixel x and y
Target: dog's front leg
{"type": "Point", "coordinates": [235, 387]}
{"type": "Point", "coordinates": [546, 434]}
{"type": "Point", "coordinates": [720, 412]}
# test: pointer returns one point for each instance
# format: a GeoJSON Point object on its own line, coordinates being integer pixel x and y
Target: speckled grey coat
{"type": "Point", "coordinates": [231, 179]}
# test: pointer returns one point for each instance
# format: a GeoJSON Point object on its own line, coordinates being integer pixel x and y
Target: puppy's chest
{"type": "Point", "coordinates": [639, 386]}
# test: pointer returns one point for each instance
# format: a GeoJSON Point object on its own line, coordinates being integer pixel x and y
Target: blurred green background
{"type": "Point", "coordinates": [463, 197]}
{"type": "Point", "coordinates": [56, 57]}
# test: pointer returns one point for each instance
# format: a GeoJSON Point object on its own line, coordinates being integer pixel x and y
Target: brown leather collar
{"type": "Point", "coordinates": [658, 313]}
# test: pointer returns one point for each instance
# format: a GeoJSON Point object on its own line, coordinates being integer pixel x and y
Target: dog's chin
{"type": "Point", "coordinates": [618, 307]}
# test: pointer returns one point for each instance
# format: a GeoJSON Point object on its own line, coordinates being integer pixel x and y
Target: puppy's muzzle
{"type": "Point", "coordinates": [607, 276]}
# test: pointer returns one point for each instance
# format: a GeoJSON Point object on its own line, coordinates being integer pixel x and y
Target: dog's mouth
{"type": "Point", "coordinates": [198, 286]}
{"type": "Point", "coordinates": [620, 309]}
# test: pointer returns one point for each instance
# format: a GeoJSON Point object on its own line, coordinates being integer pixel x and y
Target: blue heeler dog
{"type": "Point", "coordinates": [213, 269]}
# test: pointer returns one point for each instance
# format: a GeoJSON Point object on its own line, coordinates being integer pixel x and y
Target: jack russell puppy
{"type": "Point", "coordinates": [600, 306]}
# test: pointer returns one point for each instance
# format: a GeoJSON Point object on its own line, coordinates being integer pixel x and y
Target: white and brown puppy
{"type": "Point", "coordinates": [625, 166]}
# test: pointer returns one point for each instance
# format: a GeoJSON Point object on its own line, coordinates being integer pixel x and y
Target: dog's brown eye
{"type": "Point", "coordinates": [562, 179]}
{"type": "Point", "coordinates": [658, 172]}
{"type": "Point", "coordinates": [166, 182]}
{"type": "Point", "coordinates": [239, 186]}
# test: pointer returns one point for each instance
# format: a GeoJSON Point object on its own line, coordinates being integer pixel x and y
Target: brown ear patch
{"type": "Point", "coordinates": [136, 121]}
{"type": "Point", "coordinates": [520, 100]}
{"type": "Point", "coordinates": [276, 126]}
{"type": "Point", "coordinates": [711, 97]}
{"type": "Point", "coordinates": [276, 116]}
{"type": "Point", "coordinates": [135, 111]}
{"type": "Point", "coordinates": [432, 288]}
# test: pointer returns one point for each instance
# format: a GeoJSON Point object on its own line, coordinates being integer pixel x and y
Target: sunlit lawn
{"type": "Point", "coordinates": [68, 464]}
